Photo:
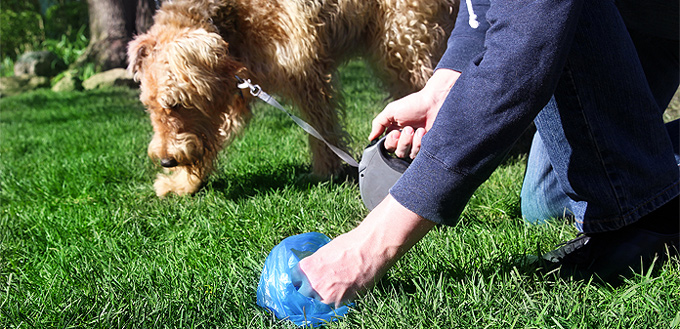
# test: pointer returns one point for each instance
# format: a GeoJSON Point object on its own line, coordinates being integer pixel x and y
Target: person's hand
{"type": "Point", "coordinates": [408, 119]}
{"type": "Point", "coordinates": [355, 261]}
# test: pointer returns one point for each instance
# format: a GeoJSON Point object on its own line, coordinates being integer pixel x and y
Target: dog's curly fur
{"type": "Point", "coordinates": [187, 61]}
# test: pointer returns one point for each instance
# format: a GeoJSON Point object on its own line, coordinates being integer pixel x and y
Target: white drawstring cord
{"type": "Point", "coordinates": [474, 23]}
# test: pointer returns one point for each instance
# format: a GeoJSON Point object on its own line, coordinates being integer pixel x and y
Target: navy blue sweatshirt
{"type": "Point", "coordinates": [510, 66]}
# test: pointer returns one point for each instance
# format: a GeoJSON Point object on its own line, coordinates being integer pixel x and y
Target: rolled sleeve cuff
{"type": "Point", "coordinates": [433, 191]}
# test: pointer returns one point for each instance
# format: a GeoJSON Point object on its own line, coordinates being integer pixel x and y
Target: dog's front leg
{"type": "Point", "coordinates": [320, 107]}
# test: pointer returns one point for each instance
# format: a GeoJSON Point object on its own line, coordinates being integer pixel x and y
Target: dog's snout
{"type": "Point", "coordinates": [169, 163]}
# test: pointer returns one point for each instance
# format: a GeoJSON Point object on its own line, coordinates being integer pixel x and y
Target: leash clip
{"type": "Point", "coordinates": [255, 90]}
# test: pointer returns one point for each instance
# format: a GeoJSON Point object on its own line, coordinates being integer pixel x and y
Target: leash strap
{"type": "Point", "coordinates": [256, 91]}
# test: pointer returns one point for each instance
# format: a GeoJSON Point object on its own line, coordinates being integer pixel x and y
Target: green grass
{"type": "Point", "coordinates": [84, 242]}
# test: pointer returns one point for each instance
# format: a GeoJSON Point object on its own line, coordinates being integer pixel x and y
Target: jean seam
{"type": "Point", "coordinates": [601, 159]}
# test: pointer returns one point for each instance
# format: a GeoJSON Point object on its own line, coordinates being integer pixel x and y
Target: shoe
{"type": "Point", "coordinates": [611, 256]}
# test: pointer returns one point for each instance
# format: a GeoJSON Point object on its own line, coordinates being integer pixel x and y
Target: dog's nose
{"type": "Point", "coordinates": [169, 163]}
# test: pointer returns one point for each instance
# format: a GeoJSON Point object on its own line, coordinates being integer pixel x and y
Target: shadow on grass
{"type": "Point", "coordinates": [472, 273]}
{"type": "Point", "coordinates": [236, 185]}
{"type": "Point", "coordinates": [528, 270]}
{"type": "Point", "coordinates": [58, 108]}
{"type": "Point", "coordinates": [478, 266]}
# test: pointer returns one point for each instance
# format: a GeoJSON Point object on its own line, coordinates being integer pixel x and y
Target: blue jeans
{"type": "Point", "coordinates": [601, 153]}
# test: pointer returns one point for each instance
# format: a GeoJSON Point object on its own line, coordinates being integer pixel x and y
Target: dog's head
{"type": "Point", "coordinates": [188, 86]}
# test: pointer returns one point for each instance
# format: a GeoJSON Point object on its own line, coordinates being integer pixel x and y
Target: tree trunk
{"type": "Point", "coordinates": [113, 23]}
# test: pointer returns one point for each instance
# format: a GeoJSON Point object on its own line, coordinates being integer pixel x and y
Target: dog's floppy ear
{"type": "Point", "coordinates": [200, 72]}
{"type": "Point", "coordinates": [200, 59]}
{"type": "Point", "coordinates": [138, 50]}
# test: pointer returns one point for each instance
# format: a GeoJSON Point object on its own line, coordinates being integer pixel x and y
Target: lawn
{"type": "Point", "coordinates": [84, 241]}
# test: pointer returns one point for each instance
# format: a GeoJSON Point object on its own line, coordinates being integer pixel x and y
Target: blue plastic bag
{"type": "Point", "coordinates": [281, 279]}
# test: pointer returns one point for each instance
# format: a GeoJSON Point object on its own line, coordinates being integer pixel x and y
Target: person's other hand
{"type": "Point", "coordinates": [406, 120]}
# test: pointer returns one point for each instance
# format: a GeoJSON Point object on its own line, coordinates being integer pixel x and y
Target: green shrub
{"type": "Point", "coordinates": [21, 30]}
{"type": "Point", "coordinates": [61, 27]}
{"type": "Point", "coordinates": [68, 20]}
{"type": "Point", "coordinates": [68, 48]}
{"type": "Point", "coordinates": [6, 67]}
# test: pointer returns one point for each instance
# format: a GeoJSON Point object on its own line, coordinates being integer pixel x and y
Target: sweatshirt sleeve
{"type": "Point", "coordinates": [467, 38]}
{"type": "Point", "coordinates": [493, 101]}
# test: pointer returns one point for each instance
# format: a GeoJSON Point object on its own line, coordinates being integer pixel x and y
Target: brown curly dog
{"type": "Point", "coordinates": [187, 61]}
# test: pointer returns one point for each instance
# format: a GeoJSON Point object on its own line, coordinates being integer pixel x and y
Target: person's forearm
{"type": "Point", "coordinates": [393, 229]}
{"type": "Point", "coordinates": [439, 85]}
{"type": "Point", "coordinates": [354, 261]}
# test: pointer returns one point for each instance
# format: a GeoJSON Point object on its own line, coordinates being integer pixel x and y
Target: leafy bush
{"type": "Point", "coordinates": [68, 48]}
{"type": "Point", "coordinates": [68, 20]}
{"type": "Point", "coordinates": [6, 67]}
{"type": "Point", "coordinates": [21, 27]}
{"type": "Point", "coordinates": [61, 27]}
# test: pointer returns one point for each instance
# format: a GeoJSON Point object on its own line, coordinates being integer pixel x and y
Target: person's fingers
{"type": "Point", "coordinates": [380, 123]}
{"type": "Point", "coordinates": [392, 140]}
{"type": "Point", "coordinates": [299, 280]}
{"type": "Point", "coordinates": [404, 146]}
{"type": "Point", "coordinates": [417, 141]}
